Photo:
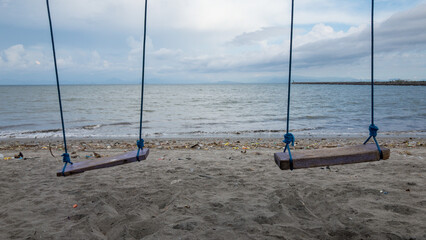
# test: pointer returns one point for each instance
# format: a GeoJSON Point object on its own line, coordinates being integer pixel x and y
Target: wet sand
{"type": "Point", "coordinates": [210, 189]}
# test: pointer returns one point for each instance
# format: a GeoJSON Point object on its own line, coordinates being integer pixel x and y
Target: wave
{"type": "Point", "coordinates": [399, 117]}
{"type": "Point", "coordinates": [199, 118]}
{"type": "Point", "coordinates": [308, 129]}
{"type": "Point", "coordinates": [277, 131]}
{"type": "Point", "coordinates": [96, 126]}
{"type": "Point", "coordinates": [252, 131]}
{"type": "Point", "coordinates": [315, 117]}
{"type": "Point", "coordinates": [91, 127]}
{"type": "Point", "coordinates": [282, 119]}
{"type": "Point", "coordinates": [16, 126]}
{"type": "Point", "coordinates": [122, 123]}
{"type": "Point", "coordinates": [198, 132]}
{"type": "Point", "coordinates": [43, 131]}
{"type": "Point", "coordinates": [72, 99]}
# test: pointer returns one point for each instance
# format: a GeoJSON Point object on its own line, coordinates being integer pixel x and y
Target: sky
{"type": "Point", "coordinates": [210, 41]}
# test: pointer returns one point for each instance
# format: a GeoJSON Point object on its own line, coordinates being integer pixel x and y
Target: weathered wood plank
{"type": "Point", "coordinates": [105, 162]}
{"type": "Point", "coordinates": [330, 156]}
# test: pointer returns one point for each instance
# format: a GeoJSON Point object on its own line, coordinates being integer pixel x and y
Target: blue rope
{"type": "Point", "coordinates": [373, 128]}
{"type": "Point", "coordinates": [140, 142]}
{"type": "Point", "coordinates": [289, 66]}
{"type": "Point", "coordinates": [288, 137]}
{"type": "Point", "coordinates": [65, 155]}
{"type": "Point", "coordinates": [373, 134]}
{"type": "Point", "coordinates": [372, 62]}
{"type": "Point", "coordinates": [66, 159]}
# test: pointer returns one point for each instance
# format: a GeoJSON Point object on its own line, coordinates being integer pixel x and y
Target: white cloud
{"type": "Point", "coordinates": [323, 51]}
{"type": "Point", "coordinates": [318, 33]}
{"type": "Point", "coordinates": [259, 36]}
{"type": "Point", "coordinates": [218, 15]}
{"type": "Point", "coordinates": [194, 15]}
{"type": "Point", "coordinates": [165, 53]}
{"type": "Point", "coordinates": [404, 31]}
{"type": "Point", "coordinates": [134, 56]}
{"type": "Point", "coordinates": [64, 62]}
{"type": "Point", "coordinates": [17, 57]}
{"type": "Point", "coordinates": [222, 37]}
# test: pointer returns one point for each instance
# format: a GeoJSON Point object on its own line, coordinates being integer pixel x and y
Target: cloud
{"type": "Point", "coordinates": [165, 53]}
{"type": "Point", "coordinates": [255, 37]}
{"type": "Point", "coordinates": [323, 47]}
{"type": "Point", "coordinates": [207, 38]}
{"type": "Point", "coordinates": [96, 62]}
{"type": "Point", "coordinates": [17, 57]}
{"type": "Point", "coordinates": [404, 31]}
{"type": "Point", "coordinates": [193, 15]}
{"type": "Point", "coordinates": [134, 56]}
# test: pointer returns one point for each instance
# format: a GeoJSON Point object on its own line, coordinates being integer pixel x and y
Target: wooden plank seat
{"type": "Point", "coordinates": [330, 156]}
{"type": "Point", "coordinates": [104, 162]}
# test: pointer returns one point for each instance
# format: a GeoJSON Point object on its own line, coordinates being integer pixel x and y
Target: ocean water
{"type": "Point", "coordinates": [182, 111]}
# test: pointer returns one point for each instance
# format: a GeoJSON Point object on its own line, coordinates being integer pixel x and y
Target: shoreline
{"type": "Point", "coordinates": [106, 144]}
{"type": "Point", "coordinates": [237, 135]}
{"type": "Point", "coordinates": [302, 137]}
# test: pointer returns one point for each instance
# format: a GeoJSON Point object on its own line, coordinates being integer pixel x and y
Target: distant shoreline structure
{"type": "Point", "coordinates": [391, 83]}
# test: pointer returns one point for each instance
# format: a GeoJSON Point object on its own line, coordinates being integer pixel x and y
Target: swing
{"type": "Point", "coordinates": [326, 157]}
{"type": "Point", "coordinates": [104, 162]}
{"type": "Point", "coordinates": [79, 167]}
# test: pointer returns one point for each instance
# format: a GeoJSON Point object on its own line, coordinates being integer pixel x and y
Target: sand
{"type": "Point", "coordinates": [211, 189]}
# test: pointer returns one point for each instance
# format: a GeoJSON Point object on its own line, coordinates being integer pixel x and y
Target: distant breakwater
{"type": "Point", "coordinates": [391, 83]}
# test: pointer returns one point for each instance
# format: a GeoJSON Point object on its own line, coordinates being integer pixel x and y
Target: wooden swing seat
{"type": "Point", "coordinates": [104, 162]}
{"type": "Point", "coordinates": [330, 156]}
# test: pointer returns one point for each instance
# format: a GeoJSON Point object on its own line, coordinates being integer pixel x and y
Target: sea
{"type": "Point", "coordinates": [210, 111]}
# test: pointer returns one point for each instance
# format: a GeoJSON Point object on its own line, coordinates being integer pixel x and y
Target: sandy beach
{"type": "Point", "coordinates": [210, 189]}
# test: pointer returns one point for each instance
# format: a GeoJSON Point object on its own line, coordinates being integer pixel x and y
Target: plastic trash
{"type": "Point", "coordinates": [1, 156]}
{"type": "Point", "coordinates": [175, 181]}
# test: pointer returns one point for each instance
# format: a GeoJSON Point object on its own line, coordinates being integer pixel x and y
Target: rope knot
{"type": "Point", "coordinates": [66, 158]}
{"type": "Point", "coordinates": [373, 130]}
{"type": "Point", "coordinates": [289, 138]}
{"type": "Point", "coordinates": [140, 143]}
